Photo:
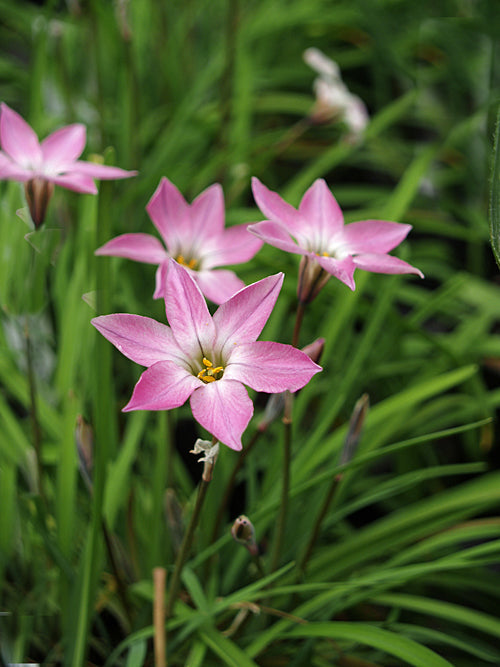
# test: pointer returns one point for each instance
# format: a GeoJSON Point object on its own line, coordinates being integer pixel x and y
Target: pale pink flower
{"type": "Point", "coordinates": [194, 235]}
{"type": "Point", "coordinates": [208, 358]}
{"type": "Point", "coordinates": [316, 231]}
{"type": "Point", "coordinates": [333, 98]}
{"type": "Point", "coordinates": [54, 161]}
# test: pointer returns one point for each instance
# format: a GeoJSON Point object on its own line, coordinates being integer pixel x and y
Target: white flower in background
{"type": "Point", "coordinates": [333, 98]}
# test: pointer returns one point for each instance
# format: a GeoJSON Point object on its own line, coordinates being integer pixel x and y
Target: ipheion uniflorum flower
{"type": "Point", "coordinates": [206, 358]}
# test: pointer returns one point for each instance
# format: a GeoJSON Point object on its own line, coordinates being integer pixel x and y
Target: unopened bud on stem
{"type": "Point", "coordinates": [243, 532]}
{"type": "Point", "coordinates": [38, 192]}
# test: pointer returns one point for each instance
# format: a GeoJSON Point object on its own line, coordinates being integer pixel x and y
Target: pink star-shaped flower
{"type": "Point", "coordinates": [316, 231]}
{"type": "Point", "coordinates": [208, 359]}
{"type": "Point", "coordinates": [194, 235]}
{"type": "Point", "coordinates": [54, 161]}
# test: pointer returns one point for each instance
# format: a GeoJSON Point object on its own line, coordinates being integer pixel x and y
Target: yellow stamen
{"type": "Point", "coordinates": [190, 263]}
{"type": "Point", "coordinates": [210, 374]}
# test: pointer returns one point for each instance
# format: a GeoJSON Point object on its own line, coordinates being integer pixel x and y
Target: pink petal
{"type": "Point", "coordinates": [18, 139]}
{"type": "Point", "coordinates": [373, 236]}
{"type": "Point", "coordinates": [11, 170]}
{"type": "Point", "coordinates": [75, 182]}
{"type": "Point", "coordinates": [187, 313]}
{"type": "Point", "coordinates": [322, 214]}
{"type": "Point", "coordinates": [160, 278]}
{"type": "Point", "coordinates": [242, 318]}
{"type": "Point", "coordinates": [270, 367]}
{"type": "Point", "coordinates": [63, 147]}
{"type": "Point", "coordinates": [163, 386]}
{"type": "Point", "coordinates": [384, 264]}
{"type": "Point", "coordinates": [275, 208]}
{"type": "Point", "coordinates": [234, 246]}
{"type": "Point", "coordinates": [139, 247]}
{"type": "Point", "coordinates": [224, 409]}
{"type": "Point", "coordinates": [207, 213]}
{"type": "Point", "coordinates": [219, 285]}
{"type": "Point", "coordinates": [100, 171]}
{"type": "Point", "coordinates": [141, 339]}
{"type": "Point", "coordinates": [343, 269]}
{"type": "Point", "coordinates": [169, 212]}
{"type": "Point", "coordinates": [276, 235]}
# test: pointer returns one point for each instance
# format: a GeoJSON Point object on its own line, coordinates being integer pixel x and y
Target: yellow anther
{"type": "Point", "coordinates": [209, 373]}
{"type": "Point", "coordinates": [190, 264]}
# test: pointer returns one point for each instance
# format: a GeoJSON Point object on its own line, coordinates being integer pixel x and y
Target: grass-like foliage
{"type": "Point", "coordinates": [371, 529]}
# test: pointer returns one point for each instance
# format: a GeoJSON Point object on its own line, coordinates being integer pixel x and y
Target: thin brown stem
{"type": "Point", "coordinates": [160, 638]}
{"type": "Point", "coordinates": [301, 308]}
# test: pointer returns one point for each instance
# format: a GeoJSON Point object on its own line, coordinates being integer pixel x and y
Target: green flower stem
{"type": "Point", "coordinates": [287, 449]}
{"type": "Point", "coordinates": [37, 435]}
{"type": "Point", "coordinates": [184, 549]}
{"type": "Point", "coordinates": [317, 527]}
{"type": "Point", "coordinates": [231, 483]}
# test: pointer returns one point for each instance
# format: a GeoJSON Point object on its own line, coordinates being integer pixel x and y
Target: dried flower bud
{"type": "Point", "coordinates": [211, 451]}
{"type": "Point", "coordinates": [355, 427]}
{"type": "Point", "coordinates": [243, 532]}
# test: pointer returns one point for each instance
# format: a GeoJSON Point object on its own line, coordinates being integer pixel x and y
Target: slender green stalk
{"type": "Point", "coordinates": [287, 449]}
{"type": "Point", "coordinates": [285, 488]}
{"type": "Point", "coordinates": [184, 549]}
{"type": "Point", "coordinates": [495, 195]}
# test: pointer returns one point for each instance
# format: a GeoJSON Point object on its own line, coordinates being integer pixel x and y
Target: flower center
{"type": "Point", "coordinates": [189, 263]}
{"type": "Point", "coordinates": [210, 373]}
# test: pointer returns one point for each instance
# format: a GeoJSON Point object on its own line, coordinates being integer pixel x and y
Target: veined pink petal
{"type": "Point", "coordinates": [242, 318]}
{"type": "Point", "coordinates": [273, 206]}
{"type": "Point", "coordinates": [234, 246]}
{"type": "Point", "coordinates": [99, 171]}
{"type": "Point", "coordinates": [321, 213]}
{"type": "Point", "coordinates": [163, 386]}
{"type": "Point", "coordinates": [373, 236]}
{"type": "Point", "coordinates": [75, 182]}
{"type": "Point", "coordinates": [18, 139]}
{"type": "Point", "coordinates": [169, 212]}
{"type": "Point", "coordinates": [187, 313]}
{"type": "Point", "coordinates": [219, 285]}
{"type": "Point", "coordinates": [207, 214]}
{"type": "Point", "coordinates": [141, 339]}
{"type": "Point", "coordinates": [384, 264]}
{"type": "Point", "coordinates": [63, 147]}
{"type": "Point", "coordinates": [224, 409]}
{"type": "Point", "coordinates": [9, 169]}
{"type": "Point", "coordinates": [270, 367]}
{"type": "Point", "coordinates": [139, 247]}
{"type": "Point", "coordinates": [276, 235]}
{"type": "Point", "coordinates": [343, 269]}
